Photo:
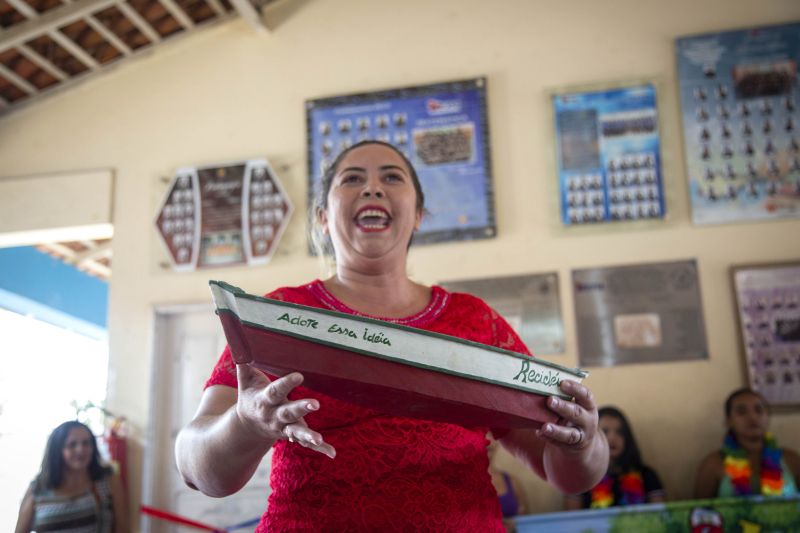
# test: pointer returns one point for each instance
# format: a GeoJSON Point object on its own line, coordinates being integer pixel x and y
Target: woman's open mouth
{"type": "Point", "coordinates": [373, 219]}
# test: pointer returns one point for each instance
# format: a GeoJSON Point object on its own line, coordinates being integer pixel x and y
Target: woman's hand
{"type": "Point", "coordinates": [577, 426]}
{"type": "Point", "coordinates": [263, 407]}
{"type": "Point", "coordinates": [575, 454]}
{"type": "Point", "coordinates": [571, 453]}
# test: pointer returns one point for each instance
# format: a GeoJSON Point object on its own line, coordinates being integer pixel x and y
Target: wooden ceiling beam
{"type": "Point", "coordinates": [141, 24]}
{"type": "Point", "coordinates": [50, 21]}
{"type": "Point", "coordinates": [70, 46]}
{"type": "Point", "coordinates": [216, 5]}
{"type": "Point", "coordinates": [24, 8]}
{"type": "Point", "coordinates": [98, 269]}
{"type": "Point", "coordinates": [251, 14]}
{"type": "Point", "coordinates": [104, 32]}
{"type": "Point", "coordinates": [17, 80]}
{"type": "Point", "coordinates": [65, 252]}
{"type": "Point", "coordinates": [34, 57]}
{"type": "Point", "coordinates": [109, 35]}
{"type": "Point", "coordinates": [178, 13]}
{"type": "Point", "coordinates": [82, 260]}
{"type": "Point", "coordinates": [92, 254]}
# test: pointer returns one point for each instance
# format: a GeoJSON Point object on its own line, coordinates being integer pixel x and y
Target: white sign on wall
{"type": "Point", "coordinates": [223, 215]}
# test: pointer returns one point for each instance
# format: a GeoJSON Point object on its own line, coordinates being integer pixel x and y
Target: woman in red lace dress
{"type": "Point", "coordinates": [342, 467]}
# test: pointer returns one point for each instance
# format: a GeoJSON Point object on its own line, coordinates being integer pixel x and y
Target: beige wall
{"type": "Point", "coordinates": [229, 93]}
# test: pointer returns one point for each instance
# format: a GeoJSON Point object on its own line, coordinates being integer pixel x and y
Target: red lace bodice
{"type": "Point", "coordinates": [390, 473]}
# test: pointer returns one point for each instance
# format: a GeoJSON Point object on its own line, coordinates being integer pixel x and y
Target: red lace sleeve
{"type": "Point", "coordinates": [504, 335]}
{"type": "Point", "coordinates": [224, 372]}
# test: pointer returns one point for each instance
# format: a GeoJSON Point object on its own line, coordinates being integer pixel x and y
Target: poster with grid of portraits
{"type": "Point", "coordinates": [739, 95]}
{"type": "Point", "coordinates": [768, 308]}
{"type": "Point", "coordinates": [441, 128]}
{"type": "Point", "coordinates": [609, 155]}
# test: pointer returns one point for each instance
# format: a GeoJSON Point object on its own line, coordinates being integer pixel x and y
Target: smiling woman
{"type": "Point", "coordinates": [339, 466]}
{"type": "Point", "coordinates": [73, 490]}
{"type": "Point", "coordinates": [396, 172]}
{"type": "Point", "coordinates": [71, 368]}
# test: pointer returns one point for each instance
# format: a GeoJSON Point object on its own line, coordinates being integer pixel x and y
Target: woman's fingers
{"type": "Point", "coordinates": [578, 419]}
{"type": "Point", "coordinates": [563, 435]}
{"type": "Point", "coordinates": [248, 377]}
{"type": "Point", "coordinates": [269, 408]}
{"type": "Point", "coordinates": [583, 396]}
{"type": "Point", "coordinates": [301, 434]}
{"type": "Point", "coordinates": [277, 392]}
{"type": "Point", "coordinates": [291, 412]}
{"type": "Point", "coordinates": [278, 416]}
{"type": "Point", "coordinates": [325, 449]}
{"type": "Point", "coordinates": [297, 431]}
{"type": "Point", "coordinates": [569, 411]}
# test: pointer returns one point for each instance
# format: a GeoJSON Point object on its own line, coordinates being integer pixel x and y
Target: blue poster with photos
{"type": "Point", "coordinates": [739, 96]}
{"type": "Point", "coordinates": [609, 155]}
{"type": "Point", "coordinates": [441, 128]}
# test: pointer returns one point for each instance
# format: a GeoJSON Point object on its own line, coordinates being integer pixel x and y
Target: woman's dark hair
{"type": "Point", "coordinates": [320, 242]}
{"type": "Point", "coordinates": [630, 458]}
{"type": "Point", "coordinates": [741, 392]}
{"type": "Point", "coordinates": [52, 472]}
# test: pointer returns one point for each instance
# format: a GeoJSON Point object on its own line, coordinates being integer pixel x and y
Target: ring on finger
{"type": "Point", "coordinates": [580, 437]}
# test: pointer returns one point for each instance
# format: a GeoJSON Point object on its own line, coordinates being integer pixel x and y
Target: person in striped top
{"type": "Point", "coordinates": [73, 492]}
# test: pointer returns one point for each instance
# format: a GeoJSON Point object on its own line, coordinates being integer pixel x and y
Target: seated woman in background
{"type": "Point", "coordinates": [750, 461]}
{"type": "Point", "coordinates": [73, 491]}
{"type": "Point", "coordinates": [628, 480]}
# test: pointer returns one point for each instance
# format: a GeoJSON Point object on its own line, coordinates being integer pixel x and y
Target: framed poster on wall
{"type": "Point", "coordinates": [609, 155]}
{"type": "Point", "coordinates": [739, 95]}
{"type": "Point", "coordinates": [768, 308]}
{"type": "Point", "coordinates": [647, 313]}
{"type": "Point", "coordinates": [443, 130]}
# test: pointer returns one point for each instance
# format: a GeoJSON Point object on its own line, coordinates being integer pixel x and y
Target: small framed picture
{"type": "Point", "coordinates": [609, 154]}
{"type": "Point", "coordinates": [768, 309]}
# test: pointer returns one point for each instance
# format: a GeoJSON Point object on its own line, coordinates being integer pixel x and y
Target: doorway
{"type": "Point", "coordinates": [188, 342]}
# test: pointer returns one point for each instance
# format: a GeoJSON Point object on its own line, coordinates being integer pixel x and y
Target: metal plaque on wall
{"type": "Point", "coordinates": [529, 303]}
{"type": "Point", "coordinates": [639, 314]}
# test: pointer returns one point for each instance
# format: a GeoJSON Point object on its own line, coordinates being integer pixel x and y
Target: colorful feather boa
{"type": "Point", "coordinates": [738, 469]}
{"type": "Point", "coordinates": [631, 486]}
